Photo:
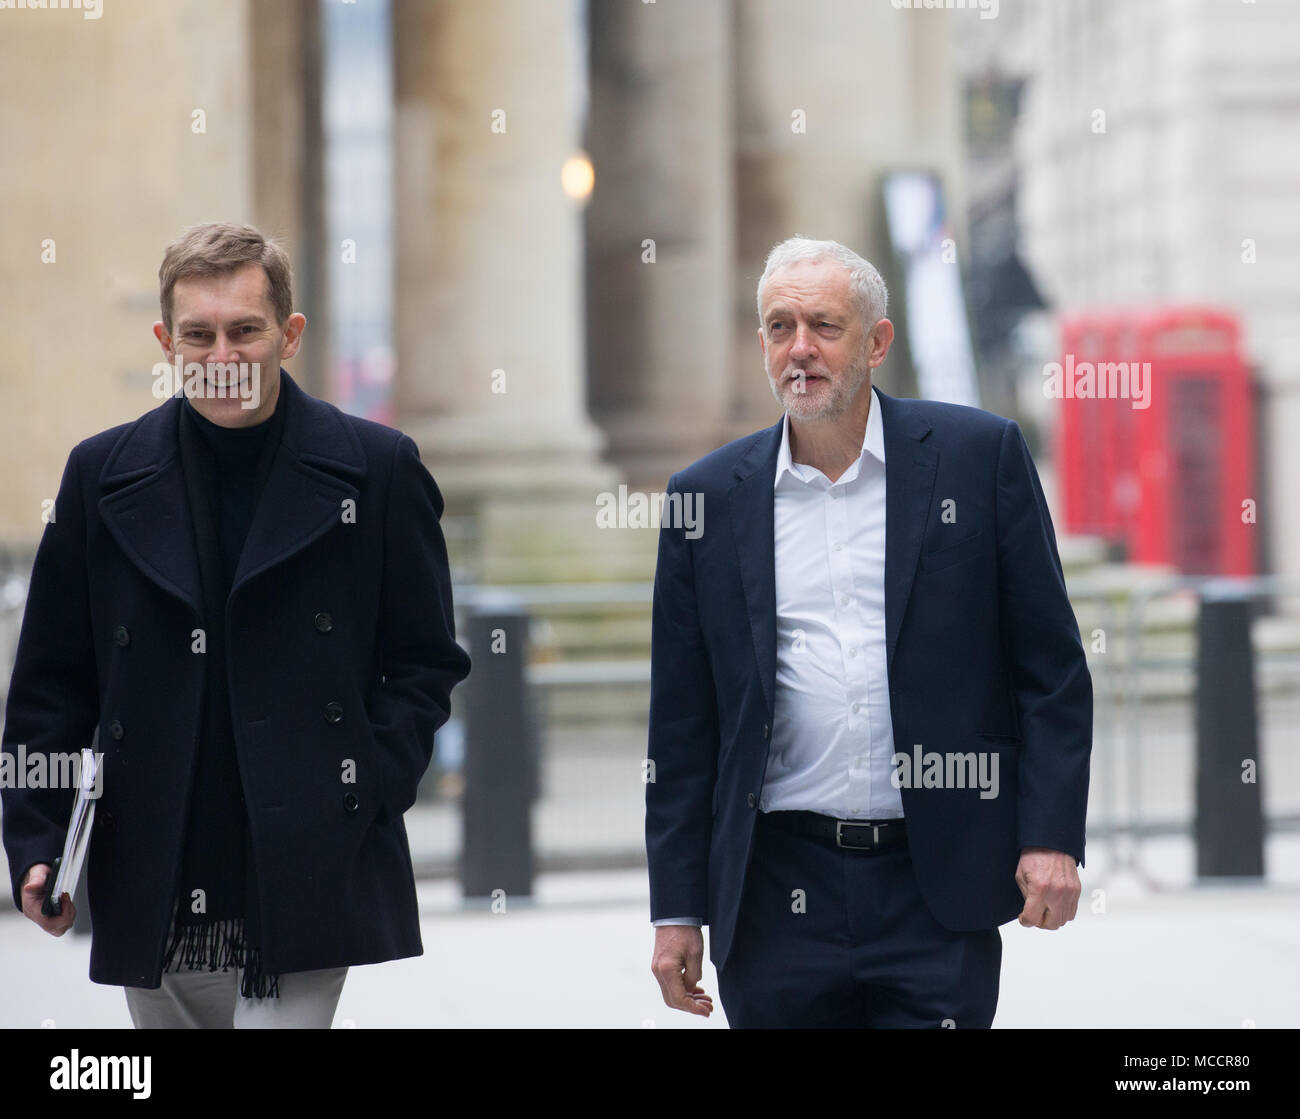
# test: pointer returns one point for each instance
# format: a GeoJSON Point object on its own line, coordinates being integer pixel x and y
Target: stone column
{"type": "Point", "coordinates": [660, 137]}
{"type": "Point", "coordinates": [284, 46]}
{"type": "Point", "coordinates": [490, 367]}
{"type": "Point", "coordinates": [113, 142]}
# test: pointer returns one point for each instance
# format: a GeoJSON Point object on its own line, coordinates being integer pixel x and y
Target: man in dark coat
{"type": "Point", "coordinates": [246, 591]}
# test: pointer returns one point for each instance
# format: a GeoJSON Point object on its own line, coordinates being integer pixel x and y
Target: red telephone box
{"type": "Point", "coordinates": [1094, 447]}
{"type": "Point", "coordinates": [1156, 450]}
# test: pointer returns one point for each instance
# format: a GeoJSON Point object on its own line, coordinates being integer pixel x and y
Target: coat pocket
{"type": "Point", "coordinates": [950, 554]}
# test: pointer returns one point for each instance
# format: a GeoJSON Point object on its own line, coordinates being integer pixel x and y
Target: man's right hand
{"type": "Point", "coordinates": [678, 963]}
{"type": "Point", "coordinates": [33, 894]}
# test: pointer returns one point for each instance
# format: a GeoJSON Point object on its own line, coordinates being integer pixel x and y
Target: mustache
{"type": "Point", "coordinates": [793, 373]}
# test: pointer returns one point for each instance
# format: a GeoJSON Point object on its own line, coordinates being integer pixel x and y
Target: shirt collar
{"type": "Point", "coordinates": [873, 443]}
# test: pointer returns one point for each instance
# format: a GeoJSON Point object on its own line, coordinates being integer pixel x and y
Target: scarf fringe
{"type": "Point", "coordinates": [219, 946]}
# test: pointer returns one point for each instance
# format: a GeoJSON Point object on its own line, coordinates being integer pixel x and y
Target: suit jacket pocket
{"type": "Point", "coordinates": [966, 548]}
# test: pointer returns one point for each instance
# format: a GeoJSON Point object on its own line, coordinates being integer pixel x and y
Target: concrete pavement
{"type": "Point", "coordinates": [578, 955]}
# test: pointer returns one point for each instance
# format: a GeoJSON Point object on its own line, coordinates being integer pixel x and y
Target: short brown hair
{"type": "Point", "coordinates": [217, 247]}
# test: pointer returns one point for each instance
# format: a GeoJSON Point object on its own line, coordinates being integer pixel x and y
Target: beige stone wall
{"type": "Point", "coordinates": [103, 156]}
{"type": "Point", "coordinates": [95, 127]}
{"type": "Point", "coordinates": [877, 90]}
{"type": "Point", "coordinates": [96, 130]}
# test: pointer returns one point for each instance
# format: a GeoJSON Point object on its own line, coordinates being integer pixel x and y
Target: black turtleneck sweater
{"type": "Point", "coordinates": [217, 923]}
{"type": "Point", "coordinates": [235, 451]}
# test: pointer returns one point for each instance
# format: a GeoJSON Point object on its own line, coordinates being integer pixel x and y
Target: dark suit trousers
{"type": "Point", "coordinates": [856, 949]}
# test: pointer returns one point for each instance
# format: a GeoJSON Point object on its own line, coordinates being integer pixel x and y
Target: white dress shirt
{"type": "Point", "coordinates": [832, 734]}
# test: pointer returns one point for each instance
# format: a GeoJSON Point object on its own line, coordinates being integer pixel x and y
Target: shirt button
{"type": "Point", "coordinates": [853, 650]}
{"type": "Point", "coordinates": [838, 546]}
{"type": "Point", "coordinates": [333, 712]}
{"type": "Point", "coordinates": [324, 622]}
{"type": "Point", "coordinates": [855, 708]}
{"type": "Point", "coordinates": [844, 600]}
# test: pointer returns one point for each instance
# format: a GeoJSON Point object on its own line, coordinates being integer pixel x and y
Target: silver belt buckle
{"type": "Point", "coordinates": [839, 836]}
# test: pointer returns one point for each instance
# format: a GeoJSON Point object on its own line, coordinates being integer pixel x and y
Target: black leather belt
{"type": "Point", "coordinates": [848, 835]}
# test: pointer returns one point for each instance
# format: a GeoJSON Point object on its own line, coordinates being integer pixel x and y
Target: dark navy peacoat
{"type": "Point", "coordinates": [341, 660]}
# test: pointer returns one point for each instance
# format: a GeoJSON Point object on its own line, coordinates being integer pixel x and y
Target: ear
{"type": "Point", "coordinates": [882, 337]}
{"type": "Point", "coordinates": [294, 325]}
{"type": "Point", "coordinates": [164, 340]}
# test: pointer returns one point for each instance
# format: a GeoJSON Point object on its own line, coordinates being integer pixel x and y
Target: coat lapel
{"type": "Point", "coordinates": [910, 467]}
{"type": "Point", "coordinates": [306, 487]}
{"type": "Point", "coordinates": [147, 512]}
{"type": "Point", "coordinates": [753, 529]}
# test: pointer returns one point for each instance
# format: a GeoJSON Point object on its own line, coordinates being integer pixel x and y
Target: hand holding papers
{"type": "Point", "coordinates": [66, 871]}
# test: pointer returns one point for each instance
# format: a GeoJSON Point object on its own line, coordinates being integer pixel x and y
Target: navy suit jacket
{"type": "Point", "coordinates": [983, 654]}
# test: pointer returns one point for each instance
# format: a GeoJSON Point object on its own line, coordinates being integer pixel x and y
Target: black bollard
{"type": "Point", "coordinates": [1229, 816]}
{"type": "Point", "coordinates": [500, 759]}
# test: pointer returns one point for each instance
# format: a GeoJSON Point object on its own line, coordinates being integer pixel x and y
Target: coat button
{"type": "Point", "coordinates": [350, 802]}
{"type": "Point", "coordinates": [104, 822]}
{"type": "Point", "coordinates": [324, 622]}
{"type": "Point", "coordinates": [116, 729]}
{"type": "Point", "coordinates": [333, 712]}
{"type": "Point", "coordinates": [750, 800]}
{"type": "Point", "coordinates": [121, 636]}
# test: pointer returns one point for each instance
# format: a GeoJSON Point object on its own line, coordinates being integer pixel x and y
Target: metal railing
{"type": "Point", "coordinates": [1281, 769]}
{"type": "Point", "coordinates": [1144, 749]}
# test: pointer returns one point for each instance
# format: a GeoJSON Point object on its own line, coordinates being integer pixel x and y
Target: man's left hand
{"type": "Point", "coordinates": [1050, 885]}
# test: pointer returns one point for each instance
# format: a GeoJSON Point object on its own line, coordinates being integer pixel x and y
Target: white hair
{"type": "Point", "coordinates": [864, 281]}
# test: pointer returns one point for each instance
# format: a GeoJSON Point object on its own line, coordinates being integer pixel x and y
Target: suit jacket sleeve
{"type": "Point", "coordinates": [53, 692]}
{"type": "Point", "coordinates": [1049, 671]}
{"type": "Point", "coordinates": [683, 746]}
{"type": "Point", "coordinates": [420, 661]}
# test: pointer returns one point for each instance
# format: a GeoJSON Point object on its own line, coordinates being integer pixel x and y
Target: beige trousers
{"type": "Point", "coordinates": [211, 1001]}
